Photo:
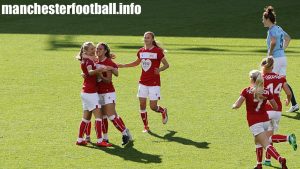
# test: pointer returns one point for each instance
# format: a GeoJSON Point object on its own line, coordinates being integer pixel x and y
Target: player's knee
{"type": "Point", "coordinates": [153, 107]}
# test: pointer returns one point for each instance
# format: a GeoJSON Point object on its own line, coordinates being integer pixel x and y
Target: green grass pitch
{"type": "Point", "coordinates": [40, 86]}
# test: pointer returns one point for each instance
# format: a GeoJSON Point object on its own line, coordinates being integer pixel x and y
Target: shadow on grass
{"type": "Point", "coordinates": [60, 42]}
{"type": "Point", "coordinates": [205, 49]}
{"type": "Point", "coordinates": [129, 153]}
{"type": "Point", "coordinates": [181, 140]}
{"type": "Point", "coordinates": [264, 51]}
{"type": "Point", "coordinates": [274, 167]}
{"type": "Point", "coordinates": [296, 117]}
{"type": "Point", "coordinates": [130, 47]}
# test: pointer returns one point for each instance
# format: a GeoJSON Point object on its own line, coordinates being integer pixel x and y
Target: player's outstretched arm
{"type": "Point", "coordinates": [238, 103]}
{"type": "Point", "coordinates": [132, 64]}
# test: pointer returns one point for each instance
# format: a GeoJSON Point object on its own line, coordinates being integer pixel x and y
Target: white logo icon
{"type": "Point", "coordinates": [146, 64]}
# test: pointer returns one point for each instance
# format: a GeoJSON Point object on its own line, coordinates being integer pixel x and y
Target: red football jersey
{"type": "Point", "coordinates": [90, 82]}
{"type": "Point", "coordinates": [256, 111]}
{"type": "Point", "coordinates": [102, 86]}
{"type": "Point", "coordinates": [150, 60]}
{"type": "Point", "coordinates": [274, 83]}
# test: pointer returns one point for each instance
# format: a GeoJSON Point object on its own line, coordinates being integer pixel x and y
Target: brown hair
{"type": "Point", "coordinates": [155, 43]}
{"type": "Point", "coordinates": [107, 48]}
{"type": "Point", "coordinates": [269, 13]}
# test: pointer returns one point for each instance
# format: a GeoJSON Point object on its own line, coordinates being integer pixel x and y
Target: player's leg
{"type": "Point", "coordinates": [87, 104]}
{"type": "Point", "coordinates": [261, 137]}
{"type": "Point", "coordinates": [295, 106]}
{"type": "Point", "coordinates": [143, 93]}
{"type": "Point", "coordinates": [83, 127]}
{"type": "Point", "coordinates": [154, 95]}
{"type": "Point", "coordinates": [88, 128]}
{"type": "Point", "coordinates": [98, 127]}
{"type": "Point", "coordinates": [104, 117]}
{"type": "Point", "coordinates": [280, 67]}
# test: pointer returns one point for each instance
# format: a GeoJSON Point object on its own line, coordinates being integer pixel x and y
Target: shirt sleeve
{"type": "Point", "coordinates": [244, 93]}
{"type": "Point", "coordinates": [161, 54]}
{"type": "Point", "coordinates": [138, 54]}
{"type": "Point", "coordinates": [272, 33]}
{"type": "Point", "coordinates": [113, 64]}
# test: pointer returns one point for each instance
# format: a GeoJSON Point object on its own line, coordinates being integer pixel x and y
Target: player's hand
{"type": "Point", "coordinates": [156, 71]}
{"type": "Point", "coordinates": [102, 68]}
{"type": "Point", "coordinates": [233, 106]}
{"type": "Point", "coordinates": [120, 65]}
{"type": "Point", "coordinates": [287, 102]}
{"type": "Point", "coordinates": [83, 75]}
{"type": "Point", "coordinates": [109, 68]}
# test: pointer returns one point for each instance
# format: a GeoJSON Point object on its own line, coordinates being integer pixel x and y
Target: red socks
{"type": "Point", "coordinates": [88, 129]}
{"type": "Point", "coordinates": [259, 154]}
{"type": "Point", "coordinates": [98, 128]}
{"type": "Point", "coordinates": [277, 138]}
{"type": "Point", "coordinates": [268, 157]}
{"type": "Point", "coordinates": [83, 127]}
{"type": "Point", "coordinates": [160, 109]}
{"type": "Point", "coordinates": [144, 117]}
{"type": "Point", "coordinates": [272, 152]}
{"type": "Point", "coordinates": [118, 122]}
{"type": "Point", "coordinates": [104, 125]}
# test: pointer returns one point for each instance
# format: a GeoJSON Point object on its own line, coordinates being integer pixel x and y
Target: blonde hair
{"type": "Point", "coordinates": [258, 88]}
{"type": "Point", "coordinates": [267, 63]}
{"type": "Point", "coordinates": [85, 46]}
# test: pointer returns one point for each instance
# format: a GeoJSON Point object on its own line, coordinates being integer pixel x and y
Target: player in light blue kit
{"type": "Point", "coordinates": [277, 41]}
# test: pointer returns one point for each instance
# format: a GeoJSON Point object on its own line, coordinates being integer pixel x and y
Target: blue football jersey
{"type": "Point", "coordinates": [278, 33]}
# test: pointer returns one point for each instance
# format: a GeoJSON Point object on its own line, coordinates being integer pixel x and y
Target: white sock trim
{"type": "Point", "coordinates": [105, 136]}
{"type": "Point", "coordinates": [112, 117]}
{"type": "Point", "coordinates": [85, 120]}
{"type": "Point", "coordinates": [98, 119]}
{"type": "Point", "coordinates": [99, 140]}
{"type": "Point", "coordinates": [270, 139]}
{"type": "Point", "coordinates": [258, 146]}
{"type": "Point", "coordinates": [143, 111]}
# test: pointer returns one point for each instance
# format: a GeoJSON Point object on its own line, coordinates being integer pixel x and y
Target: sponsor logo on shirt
{"type": "Point", "coordinates": [148, 55]}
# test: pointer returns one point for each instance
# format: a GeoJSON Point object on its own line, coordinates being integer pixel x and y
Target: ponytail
{"type": "Point", "coordinates": [267, 63]}
{"type": "Point", "coordinates": [269, 13]}
{"type": "Point", "coordinates": [258, 88]}
{"type": "Point", "coordinates": [79, 56]}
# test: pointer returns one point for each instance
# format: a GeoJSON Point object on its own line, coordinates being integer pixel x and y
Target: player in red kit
{"type": "Point", "coordinates": [107, 95]}
{"type": "Point", "coordinates": [89, 96]}
{"type": "Point", "coordinates": [275, 83]}
{"type": "Point", "coordinates": [256, 97]}
{"type": "Point", "coordinates": [150, 57]}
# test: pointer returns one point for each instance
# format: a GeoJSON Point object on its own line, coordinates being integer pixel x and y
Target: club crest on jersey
{"type": "Point", "coordinates": [146, 64]}
{"type": "Point", "coordinates": [148, 55]}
